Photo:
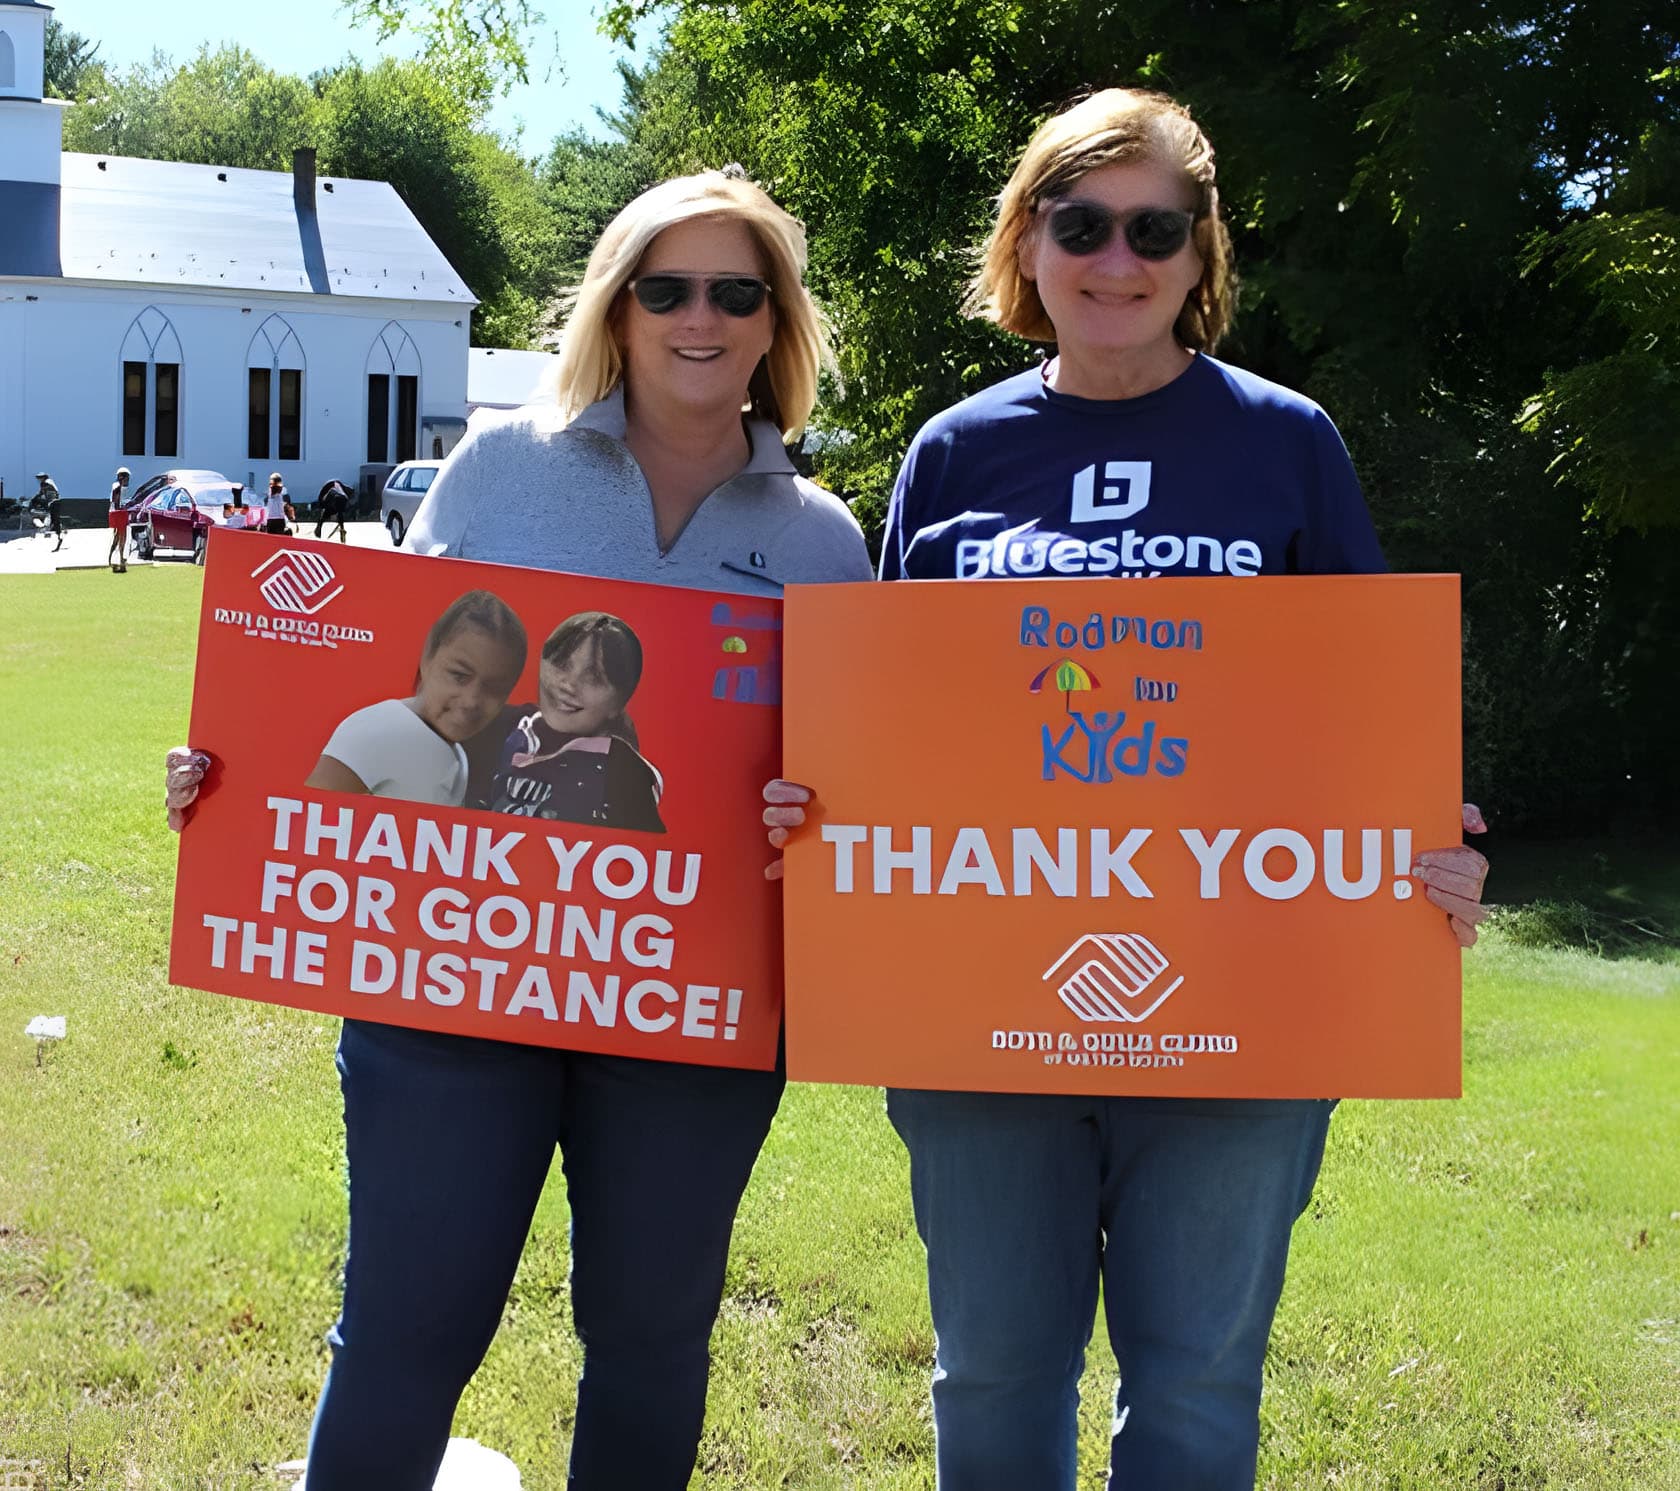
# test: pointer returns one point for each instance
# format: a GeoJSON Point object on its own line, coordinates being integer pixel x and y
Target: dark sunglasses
{"type": "Point", "coordinates": [733, 294]}
{"type": "Point", "coordinates": [1081, 228]}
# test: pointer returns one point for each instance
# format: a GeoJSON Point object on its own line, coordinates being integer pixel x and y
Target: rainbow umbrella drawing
{"type": "Point", "coordinates": [1069, 677]}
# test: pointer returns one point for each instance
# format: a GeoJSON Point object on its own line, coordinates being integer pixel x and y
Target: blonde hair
{"type": "Point", "coordinates": [783, 388]}
{"type": "Point", "coordinates": [1115, 126]}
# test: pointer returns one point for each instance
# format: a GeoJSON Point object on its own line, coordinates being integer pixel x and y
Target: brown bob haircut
{"type": "Point", "coordinates": [1114, 127]}
{"type": "Point", "coordinates": [613, 648]}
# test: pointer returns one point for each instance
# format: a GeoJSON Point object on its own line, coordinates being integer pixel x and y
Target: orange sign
{"type": "Point", "coordinates": [1146, 838]}
{"type": "Point", "coordinates": [492, 801]}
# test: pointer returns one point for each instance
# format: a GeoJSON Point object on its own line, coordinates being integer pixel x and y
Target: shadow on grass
{"type": "Point", "coordinates": [1616, 898]}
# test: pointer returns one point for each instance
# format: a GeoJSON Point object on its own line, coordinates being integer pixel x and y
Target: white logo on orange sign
{"type": "Point", "coordinates": [296, 581]}
{"type": "Point", "coordinates": [1115, 976]}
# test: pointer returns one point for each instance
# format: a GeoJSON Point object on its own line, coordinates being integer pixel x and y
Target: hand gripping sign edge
{"type": "Point", "coordinates": [1117, 971]}
{"type": "Point", "coordinates": [297, 582]}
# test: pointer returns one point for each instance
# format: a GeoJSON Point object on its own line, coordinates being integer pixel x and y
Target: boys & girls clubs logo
{"type": "Point", "coordinates": [295, 586]}
{"type": "Point", "coordinates": [297, 582]}
{"type": "Point", "coordinates": [1114, 978]}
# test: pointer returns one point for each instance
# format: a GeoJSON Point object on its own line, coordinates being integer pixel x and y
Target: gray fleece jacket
{"type": "Point", "coordinates": [528, 490]}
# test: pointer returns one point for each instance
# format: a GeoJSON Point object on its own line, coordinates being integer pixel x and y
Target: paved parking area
{"type": "Point", "coordinates": [31, 553]}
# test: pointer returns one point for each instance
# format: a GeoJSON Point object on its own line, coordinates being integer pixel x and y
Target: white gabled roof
{"type": "Point", "coordinates": [155, 222]}
{"type": "Point", "coordinates": [501, 379]}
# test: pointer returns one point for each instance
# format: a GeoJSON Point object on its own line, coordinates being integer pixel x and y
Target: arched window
{"type": "Point", "coordinates": [274, 369]}
{"type": "Point", "coordinates": [393, 396]}
{"type": "Point", "coordinates": [8, 62]}
{"type": "Point", "coordinates": [151, 386]}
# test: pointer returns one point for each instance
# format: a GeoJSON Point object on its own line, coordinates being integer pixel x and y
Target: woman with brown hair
{"type": "Point", "coordinates": [1129, 452]}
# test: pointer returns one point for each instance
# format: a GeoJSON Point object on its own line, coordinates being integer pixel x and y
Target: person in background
{"type": "Point", "coordinates": [235, 514]}
{"type": "Point", "coordinates": [277, 505]}
{"type": "Point", "coordinates": [46, 500]}
{"type": "Point", "coordinates": [332, 502]}
{"type": "Point", "coordinates": [117, 557]}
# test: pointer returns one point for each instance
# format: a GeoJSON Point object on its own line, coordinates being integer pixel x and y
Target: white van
{"type": "Point", "coordinates": [404, 488]}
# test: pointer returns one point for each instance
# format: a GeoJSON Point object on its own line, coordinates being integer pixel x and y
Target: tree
{"type": "Point", "coordinates": [223, 108]}
{"type": "Point", "coordinates": [483, 206]}
{"type": "Point", "coordinates": [1457, 229]}
{"type": "Point", "coordinates": [71, 60]}
{"type": "Point", "coordinates": [651, 138]}
{"type": "Point", "coordinates": [1609, 418]}
{"type": "Point", "coordinates": [530, 243]}
{"type": "Point", "coordinates": [477, 45]}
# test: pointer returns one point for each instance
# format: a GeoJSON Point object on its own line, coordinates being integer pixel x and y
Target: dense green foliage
{"type": "Point", "coordinates": [223, 108]}
{"type": "Point", "coordinates": [1458, 226]}
{"type": "Point", "coordinates": [483, 206]}
{"type": "Point", "coordinates": [69, 58]}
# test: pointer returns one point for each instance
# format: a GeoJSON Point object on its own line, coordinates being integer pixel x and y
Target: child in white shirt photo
{"type": "Point", "coordinates": [411, 748]}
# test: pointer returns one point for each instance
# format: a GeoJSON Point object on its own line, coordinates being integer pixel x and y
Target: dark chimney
{"type": "Point", "coordinates": [309, 220]}
{"type": "Point", "coordinates": [303, 178]}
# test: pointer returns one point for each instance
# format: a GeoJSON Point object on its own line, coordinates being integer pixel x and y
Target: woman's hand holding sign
{"type": "Point", "coordinates": [184, 770]}
{"type": "Point", "coordinates": [1453, 878]}
{"type": "Point", "coordinates": [786, 812]}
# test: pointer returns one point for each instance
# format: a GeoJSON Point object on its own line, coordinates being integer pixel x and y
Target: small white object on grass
{"type": "Point", "coordinates": [44, 1028]}
{"type": "Point", "coordinates": [467, 1466]}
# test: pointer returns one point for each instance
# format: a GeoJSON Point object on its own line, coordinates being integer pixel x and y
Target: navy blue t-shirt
{"type": "Point", "coordinates": [1217, 473]}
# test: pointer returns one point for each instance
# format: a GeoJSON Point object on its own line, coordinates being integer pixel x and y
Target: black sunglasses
{"type": "Point", "coordinates": [1081, 228]}
{"type": "Point", "coordinates": [733, 294]}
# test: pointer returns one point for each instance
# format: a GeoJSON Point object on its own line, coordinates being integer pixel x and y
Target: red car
{"type": "Point", "coordinates": [181, 517]}
{"type": "Point", "coordinates": [184, 477]}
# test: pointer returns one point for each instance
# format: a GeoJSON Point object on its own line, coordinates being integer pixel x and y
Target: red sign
{"type": "Point", "coordinates": [492, 801]}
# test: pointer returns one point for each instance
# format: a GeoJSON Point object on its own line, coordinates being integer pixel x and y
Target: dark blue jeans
{"type": "Point", "coordinates": [449, 1141]}
{"type": "Point", "coordinates": [1183, 1209]}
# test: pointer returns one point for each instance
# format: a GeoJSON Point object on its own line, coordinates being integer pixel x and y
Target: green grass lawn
{"type": "Point", "coordinates": [1485, 1294]}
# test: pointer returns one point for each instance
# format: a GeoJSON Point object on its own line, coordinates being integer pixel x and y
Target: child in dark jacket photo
{"type": "Point", "coordinates": [573, 755]}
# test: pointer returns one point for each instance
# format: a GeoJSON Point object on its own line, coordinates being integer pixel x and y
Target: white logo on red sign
{"type": "Point", "coordinates": [297, 582]}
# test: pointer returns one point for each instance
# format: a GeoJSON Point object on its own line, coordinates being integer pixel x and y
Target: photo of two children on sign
{"type": "Point", "coordinates": [456, 741]}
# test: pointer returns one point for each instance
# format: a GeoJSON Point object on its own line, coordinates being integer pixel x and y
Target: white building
{"type": "Point", "coordinates": [501, 379]}
{"type": "Point", "coordinates": [156, 314]}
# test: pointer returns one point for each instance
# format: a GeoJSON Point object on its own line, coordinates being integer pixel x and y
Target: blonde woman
{"type": "Point", "coordinates": [691, 353]}
{"type": "Point", "coordinates": [1112, 455]}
